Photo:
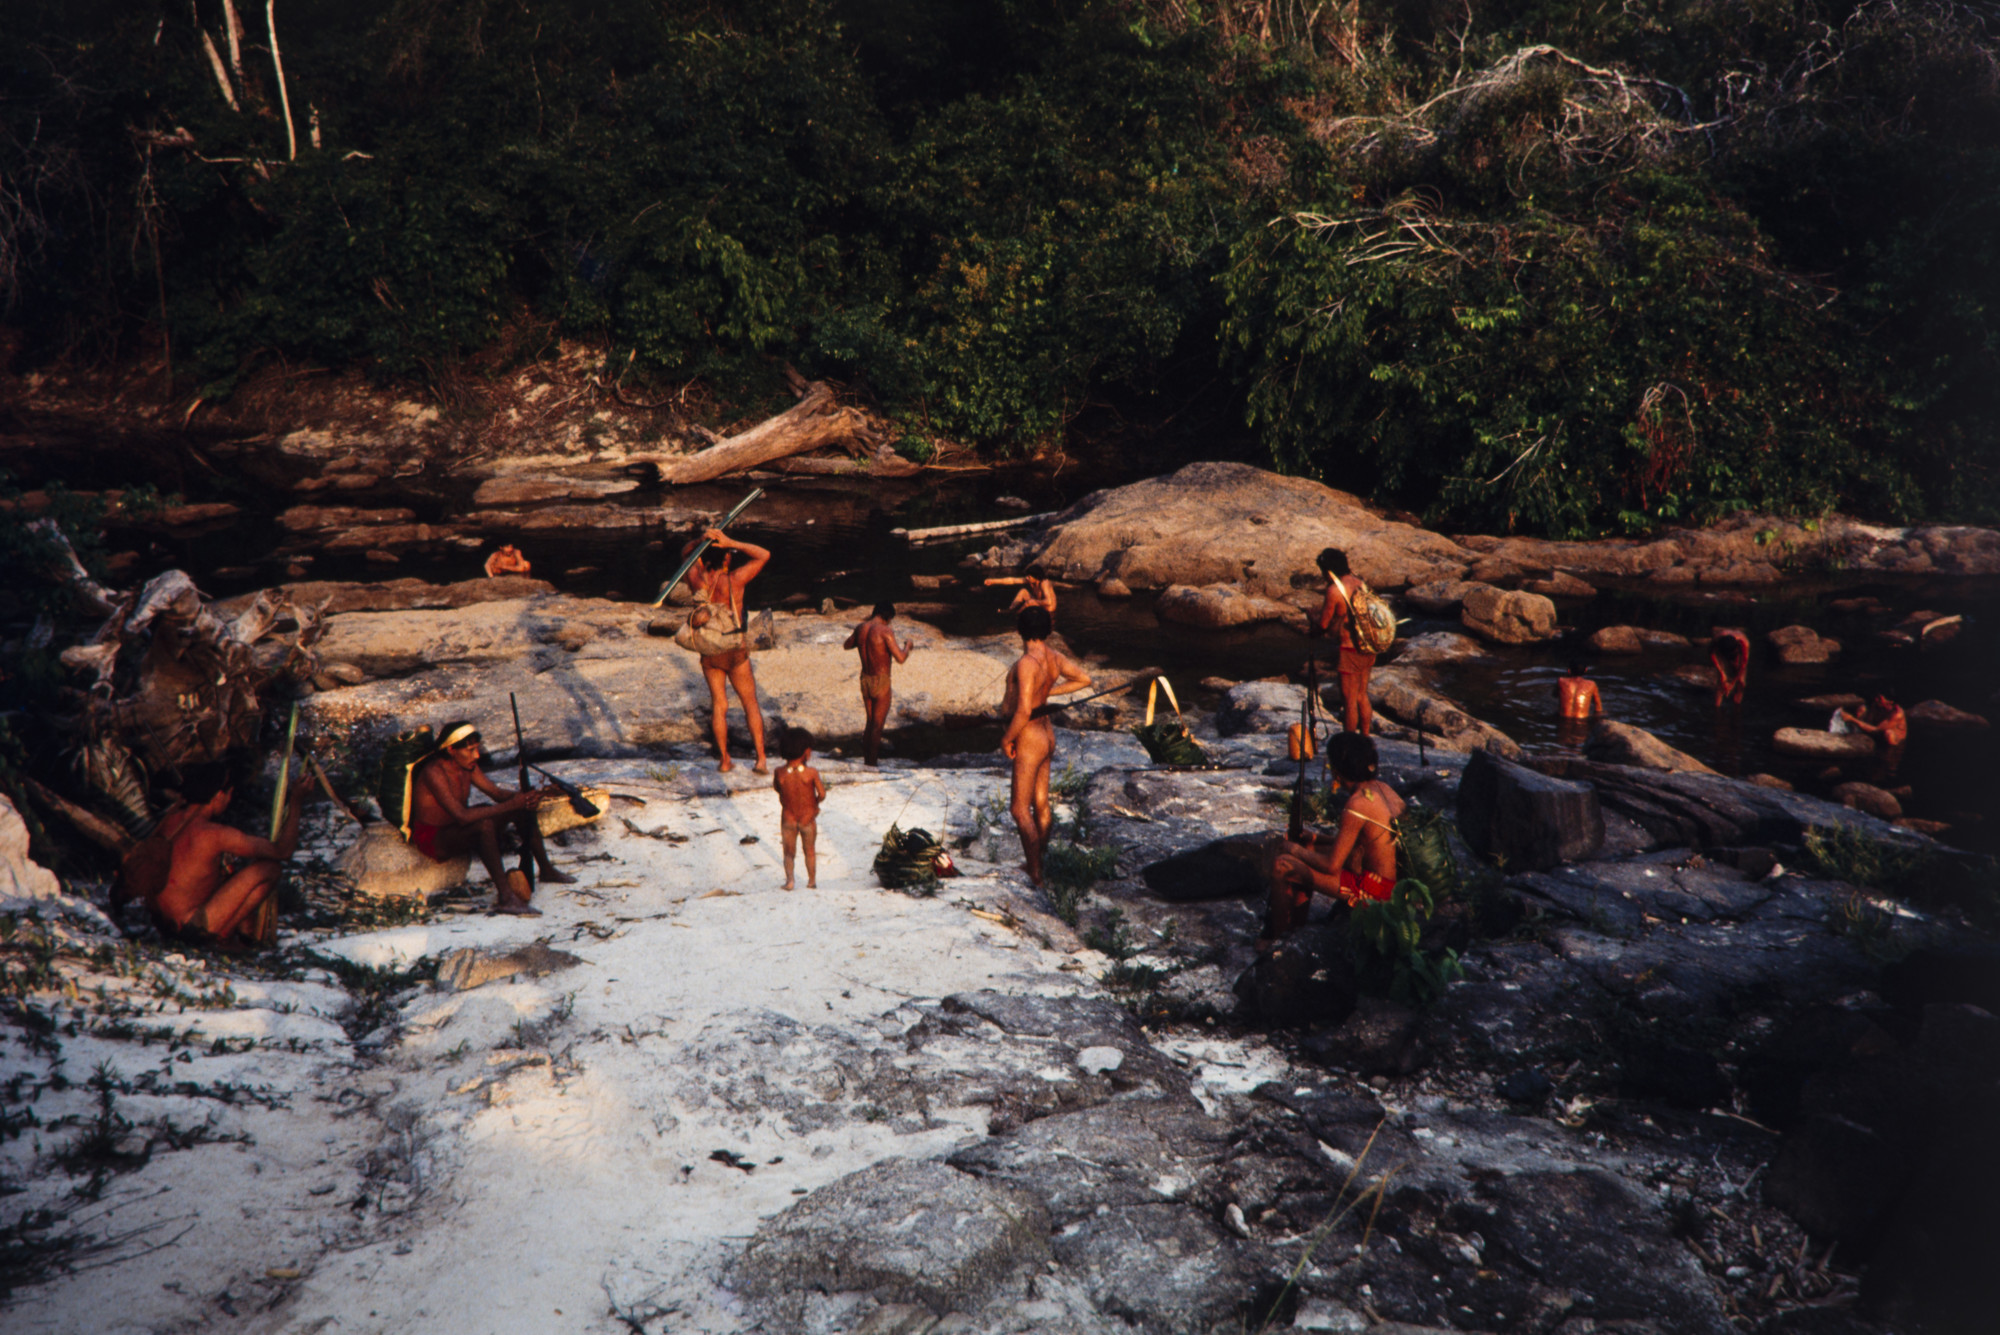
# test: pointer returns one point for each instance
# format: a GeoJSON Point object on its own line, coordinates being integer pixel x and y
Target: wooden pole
{"type": "Point", "coordinates": [284, 98]}
{"type": "Point", "coordinates": [284, 775]}
{"type": "Point", "coordinates": [233, 30]}
{"type": "Point", "coordinates": [221, 75]}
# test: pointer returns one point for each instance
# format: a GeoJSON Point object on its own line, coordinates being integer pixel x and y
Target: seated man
{"type": "Point", "coordinates": [206, 901]}
{"type": "Point", "coordinates": [1358, 862]}
{"type": "Point", "coordinates": [1882, 719]}
{"type": "Point", "coordinates": [507, 561]}
{"type": "Point", "coordinates": [443, 826]}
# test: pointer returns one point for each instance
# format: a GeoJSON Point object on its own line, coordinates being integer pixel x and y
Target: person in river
{"type": "Point", "coordinates": [221, 884]}
{"type": "Point", "coordinates": [800, 791]}
{"type": "Point", "coordinates": [1336, 616]}
{"type": "Point", "coordinates": [876, 642]}
{"type": "Point", "coordinates": [1729, 651]}
{"type": "Point", "coordinates": [1883, 719]}
{"type": "Point", "coordinates": [1034, 591]}
{"type": "Point", "coordinates": [444, 825]}
{"type": "Point", "coordinates": [1030, 739]}
{"type": "Point", "coordinates": [1357, 862]}
{"type": "Point", "coordinates": [1577, 693]}
{"type": "Point", "coordinates": [507, 560]}
{"type": "Point", "coordinates": [717, 585]}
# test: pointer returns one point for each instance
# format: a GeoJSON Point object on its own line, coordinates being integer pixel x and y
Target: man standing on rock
{"type": "Point", "coordinates": [1030, 740]}
{"type": "Point", "coordinates": [443, 826]}
{"type": "Point", "coordinates": [720, 587]}
{"type": "Point", "coordinates": [879, 651]}
{"type": "Point", "coordinates": [1337, 615]}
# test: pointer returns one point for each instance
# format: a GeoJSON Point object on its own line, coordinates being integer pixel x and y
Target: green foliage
{"type": "Point", "coordinates": [1388, 936]}
{"type": "Point", "coordinates": [1070, 869]}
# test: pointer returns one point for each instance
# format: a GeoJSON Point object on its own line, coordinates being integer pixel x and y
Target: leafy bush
{"type": "Point", "coordinates": [1388, 936]}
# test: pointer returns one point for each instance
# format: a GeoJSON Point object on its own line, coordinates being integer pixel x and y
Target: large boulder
{"type": "Point", "coordinates": [1221, 607]}
{"type": "Point", "coordinates": [1817, 744]}
{"type": "Point", "coordinates": [1634, 640]}
{"type": "Point", "coordinates": [1528, 820]}
{"type": "Point", "coordinates": [1440, 596]}
{"type": "Point", "coordinates": [1228, 868]}
{"type": "Point", "coordinates": [1229, 523]}
{"type": "Point", "coordinates": [1617, 743]}
{"type": "Point", "coordinates": [1402, 696]}
{"type": "Point", "coordinates": [1801, 644]}
{"type": "Point", "coordinates": [1259, 706]}
{"type": "Point", "coordinates": [1867, 797]}
{"type": "Point", "coordinates": [1936, 715]}
{"type": "Point", "coordinates": [902, 1231]}
{"type": "Point", "coordinates": [383, 866]}
{"type": "Point", "coordinates": [1508, 616]}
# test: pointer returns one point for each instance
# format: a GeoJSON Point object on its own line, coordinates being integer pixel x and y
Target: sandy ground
{"type": "Point", "coordinates": [538, 1153]}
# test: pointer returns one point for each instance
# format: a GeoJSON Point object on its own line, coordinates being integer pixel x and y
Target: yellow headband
{"type": "Point", "coordinates": [457, 735]}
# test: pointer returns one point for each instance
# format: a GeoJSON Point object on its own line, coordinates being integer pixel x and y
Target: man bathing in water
{"type": "Point", "coordinates": [443, 826]}
{"type": "Point", "coordinates": [800, 792]}
{"type": "Point", "coordinates": [1030, 740]}
{"type": "Point", "coordinates": [720, 586]}
{"type": "Point", "coordinates": [879, 650]}
{"type": "Point", "coordinates": [1578, 693]}
{"type": "Point", "coordinates": [1729, 652]}
{"type": "Point", "coordinates": [203, 902]}
{"type": "Point", "coordinates": [1034, 592]}
{"type": "Point", "coordinates": [1357, 863]}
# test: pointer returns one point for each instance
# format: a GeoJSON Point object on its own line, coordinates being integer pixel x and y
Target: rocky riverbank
{"type": "Point", "coordinates": [1676, 1075]}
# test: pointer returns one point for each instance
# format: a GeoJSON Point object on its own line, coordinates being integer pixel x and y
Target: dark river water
{"type": "Point", "coordinates": [833, 538]}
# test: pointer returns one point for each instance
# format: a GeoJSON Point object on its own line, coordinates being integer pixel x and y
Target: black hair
{"type": "Point", "coordinates": [887, 611]}
{"type": "Point", "coordinates": [1352, 756]}
{"type": "Point", "coordinates": [1333, 561]}
{"type": "Point", "coordinates": [1034, 623]}
{"type": "Point", "coordinates": [794, 742]}
{"type": "Point", "coordinates": [1732, 645]}
{"type": "Point", "coordinates": [452, 727]}
{"type": "Point", "coordinates": [201, 782]}
{"type": "Point", "coordinates": [1577, 667]}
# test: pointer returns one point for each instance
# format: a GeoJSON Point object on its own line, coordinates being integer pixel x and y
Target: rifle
{"type": "Point", "coordinates": [527, 867]}
{"type": "Point", "coordinates": [703, 545]}
{"type": "Point", "coordinates": [1308, 745]}
{"type": "Point", "coordinates": [578, 803]}
{"type": "Point", "coordinates": [1048, 707]}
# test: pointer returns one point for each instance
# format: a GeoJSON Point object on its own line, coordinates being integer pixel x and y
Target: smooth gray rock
{"type": "Point", "coordinates": [468, 968]}
{"type": "Point", "coordinates": [1127, 1152]}
{"type": "Point", "coordinates": [1526, 819]}
{"type": "Point", "coordinates": [1228, 868]}
{"type": "Point", "coordinates": [1259, 706]}
{"type": "Point", "coordinates": [1616, 743]}
{"type": "Point", "coordinates": [1164, 1268]}
{"type": "Point", "coordinates": [906, 1232]}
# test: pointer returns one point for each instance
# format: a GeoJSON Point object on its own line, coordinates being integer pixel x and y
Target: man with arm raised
{"type": "Point", "coordinates": [1030, 740]}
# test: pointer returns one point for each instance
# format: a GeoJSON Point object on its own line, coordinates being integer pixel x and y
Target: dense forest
{"type": "Point", "coordinates": [1562, 266]}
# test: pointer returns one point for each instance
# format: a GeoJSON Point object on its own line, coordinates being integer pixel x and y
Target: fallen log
{"type": "Point", "coordinates": [884, 463]}
{"type": "Point", "coordinates": [814, 421]}
{"type": "Point", "coordinates": [916, 537]}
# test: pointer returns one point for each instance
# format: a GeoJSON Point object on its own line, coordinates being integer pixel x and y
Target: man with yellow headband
{"type": "Point", "coordinates": [443, 826]}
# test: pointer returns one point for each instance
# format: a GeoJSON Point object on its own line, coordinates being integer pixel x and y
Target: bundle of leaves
{"type": "Point", "coordinates": [908, 861]}
{"type": "Point", "coordinates": [1168, 742]}
{"type": "Point", "coordinates": [1389, 951]}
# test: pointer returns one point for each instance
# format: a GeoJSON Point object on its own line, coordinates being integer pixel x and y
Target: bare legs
{"type": "Point", "coordinates": [745, 682]}
{"type": "Point", "coordinates": [1034, 817]}
{"type": "Point", "coordinates": [1356, 712]}
{"type": "Point", "coordinates": [235, 904]}
{"type": "Point", "coordinates": [795, 834]}
{"type": "Point", "coordinates": [877, 707]}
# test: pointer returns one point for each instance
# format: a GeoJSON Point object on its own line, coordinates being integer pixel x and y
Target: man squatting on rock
{"type": "Point", "coordinates": [443, 826]}
{"type": "Point", "coordinates": [879, 652]}
{"type": "Point", "coordinates": [204, 901]}
{"type": "Point", "coordinates": [1030, 739]}
{"type": "Point", "coordinates": [800, 791]}
{"type": "Point", "coordinates": [1337, 615]}
{"type": "Point", "coordinates": [1358, 862]}
{"type": "Point", "coordinates": [717, 584]}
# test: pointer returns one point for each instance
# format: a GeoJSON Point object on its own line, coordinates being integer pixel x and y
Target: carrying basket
{"type": "Point", "coordinates": [1168, 741]}
{"type": "Point", "coordinates": [720, 633]}
{"type": "Point", "coordinates": [395, 777]}
{"type": "Point", "coordinates": [1371, 622]}
{"type": "Point", "coordinates": [911, 861]}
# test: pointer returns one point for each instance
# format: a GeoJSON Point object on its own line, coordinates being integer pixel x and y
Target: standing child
{"type": "Point", "coordinates": [799, 794]}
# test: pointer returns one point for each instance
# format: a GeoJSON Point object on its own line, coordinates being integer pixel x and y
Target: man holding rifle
{"type": "Point", "coordinates": [443, 825]}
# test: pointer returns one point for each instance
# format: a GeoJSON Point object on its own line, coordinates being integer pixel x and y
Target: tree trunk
{"type": "Point", "coordinates": [812, 422]}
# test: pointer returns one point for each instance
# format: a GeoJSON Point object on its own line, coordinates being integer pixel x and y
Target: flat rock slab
{"type": "Point", "coordinates": [1531, 819]}
{"type": "Point", "coordinates": [1126, 1152]}
{"type": "Point", "coordinates": [463, 970]}
{"type": "Point", "coordinates": [905, 1232]}
{"type": "Point", "coordinates": [1818, 744]}
{"type": "Point", "coordinates": [1230, 868]}
{"type": "Point", "coordinates": [1162, 1268]}
{"type": "Point", "coordinates": [1620, 895]}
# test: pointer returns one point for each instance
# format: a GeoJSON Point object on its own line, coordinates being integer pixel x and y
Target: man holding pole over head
{"type": "Point", "coordinates": [721, 592]}
{"type": "Point", "coordinates": [879, 651]}
{"type": "Point", "coordinates": [1030, 739]}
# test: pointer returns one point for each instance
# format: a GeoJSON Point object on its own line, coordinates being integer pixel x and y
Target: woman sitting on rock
{"type": "Point", "coordinates": [1358, 862]}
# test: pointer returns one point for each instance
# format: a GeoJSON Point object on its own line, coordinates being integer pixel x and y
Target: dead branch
{"type": "Point", "coordinates": [284, 97]}
{"type": "Point", "coordinates": [814, 421]}
{"type": "Point", "coordinates": [221, 75]}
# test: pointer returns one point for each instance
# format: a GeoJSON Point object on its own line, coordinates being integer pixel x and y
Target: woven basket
{"type": "Point", "coordinates": [557, 815]}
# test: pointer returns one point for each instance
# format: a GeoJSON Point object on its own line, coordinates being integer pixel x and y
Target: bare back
{"type": "Point", "coordinates": [1365, 837]}
{"type": "Point", "coordinates": [875, 640]}
{"type": "Point", "coordinates": [800, 791]}
{"type": "Point", "coordinates": [197, 869]}
{"type": "Point", "coordinates": [1579, 697]}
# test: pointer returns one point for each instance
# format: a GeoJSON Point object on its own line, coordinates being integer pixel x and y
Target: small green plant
{"type": "Point", "coordinates": [1070, 869]}
{"type": "Point", "coordinates": [1388, 937]}
{"type": "Point", "coordinates": [1844, 853]}
{"type": "Point", "coordinates": [1068, 786]}
{"type": "Point", "coordinates": [1112, 937]}
{"type": "Point", "coordinates": [1866, 923]}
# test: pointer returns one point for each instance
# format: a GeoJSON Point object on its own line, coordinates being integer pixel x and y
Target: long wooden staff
{"type": "Point", "coordinates": [284, 775]}
{"type": "Point", "coordinates": [703, 545]}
